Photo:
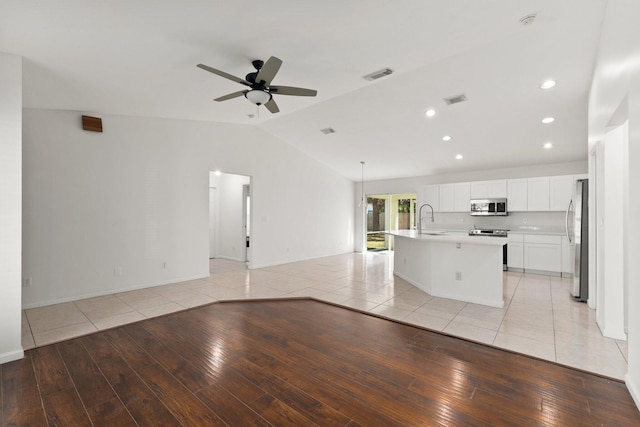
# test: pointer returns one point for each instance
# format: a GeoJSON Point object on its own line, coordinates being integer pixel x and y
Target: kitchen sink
{"type": "Point", "coordinates": [434, 232]}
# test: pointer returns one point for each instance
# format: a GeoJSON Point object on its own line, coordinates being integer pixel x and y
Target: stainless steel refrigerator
{"type": "Point", "coordinates": [577, 227]}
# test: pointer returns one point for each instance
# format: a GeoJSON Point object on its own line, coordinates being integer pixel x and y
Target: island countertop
{"type": "Point", "coordinates": [450, 236]}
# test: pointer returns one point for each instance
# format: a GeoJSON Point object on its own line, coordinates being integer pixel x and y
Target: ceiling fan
{"type": "Point", "coordinates": [260, 91]}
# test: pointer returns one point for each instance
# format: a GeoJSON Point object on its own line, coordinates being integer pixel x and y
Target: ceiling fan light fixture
{"type": "Point", "coordinates": [258, 96]}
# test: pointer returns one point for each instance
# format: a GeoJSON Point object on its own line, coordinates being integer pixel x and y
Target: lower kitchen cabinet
{"type": "Point", "coordinates": [542, 253]}
{"type": "Point", "coordinates": [515, 252]}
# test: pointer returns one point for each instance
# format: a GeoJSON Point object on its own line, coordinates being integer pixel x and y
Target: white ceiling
{"type": "Point", "coordinates": [138, 57]}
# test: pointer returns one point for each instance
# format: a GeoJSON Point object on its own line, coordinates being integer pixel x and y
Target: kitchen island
{"type": "Point", "coordinates": [451, 264]}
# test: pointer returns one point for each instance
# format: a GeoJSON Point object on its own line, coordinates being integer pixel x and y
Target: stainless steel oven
{"type": "Point", "coordinates": [495, 233]}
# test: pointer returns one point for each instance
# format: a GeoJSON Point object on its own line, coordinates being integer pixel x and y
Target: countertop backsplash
{"type": "Point", "coordinates": [521, 222]}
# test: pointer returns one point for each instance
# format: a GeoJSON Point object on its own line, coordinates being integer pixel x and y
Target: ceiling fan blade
{"type": "Point", "coordinates": [272, 106]}
{"type": "Point", "coordinates": [289, 90]}
{"type": "Point", "coordinates": [268, 71]}
{"type": "Point", "coordinates": [231, 95]}
{"type": "Point", "coordinates": [225, 75]}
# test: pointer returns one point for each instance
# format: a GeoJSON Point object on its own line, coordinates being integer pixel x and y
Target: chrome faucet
{"type": "Point", "coordinates": [420, 217]}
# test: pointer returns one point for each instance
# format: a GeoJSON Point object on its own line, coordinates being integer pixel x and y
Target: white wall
{"type": "Point", "coordinates": [136, 196]}
{"type": "Point", "coordinates": [616, 77]}
{"type": "Point", "coordinates": [610, 290]}
{"type": "Point", "coordinates": [10, 206]}
{"type": "Point", "coordinates": [415, 184]}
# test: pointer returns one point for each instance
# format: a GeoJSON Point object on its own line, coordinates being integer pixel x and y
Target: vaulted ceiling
{"type": "Point", "coordinates": [138, 57]}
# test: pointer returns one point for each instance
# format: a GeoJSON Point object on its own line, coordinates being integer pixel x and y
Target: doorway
{"type": "Point", "coordinates": [229, 216]}
{"type": "Point", "coordinates": [246, 216]}
{"type": "Point", "coordinates": [213, 221]}
{"type": "Point", "coordinates": [388, 212]}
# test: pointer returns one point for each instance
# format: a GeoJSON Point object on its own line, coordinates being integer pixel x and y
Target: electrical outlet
{"type": "Point", "coordinates": [26, 281]}
{"type": "Point", "coordinates": [458, 275]}
{"type": "Point", "coordinates": [117, 272]}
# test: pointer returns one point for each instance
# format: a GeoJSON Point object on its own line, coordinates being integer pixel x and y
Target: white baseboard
{"type": "Point", "coordinates": [616, 335]}
{"type": "Point", "coordinates": [634, 390]}
{"type": "Point", "coordinates": [11, 356]}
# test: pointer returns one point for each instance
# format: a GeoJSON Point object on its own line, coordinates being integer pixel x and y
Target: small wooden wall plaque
{"type": "Point", "coordinates": [93, 124]}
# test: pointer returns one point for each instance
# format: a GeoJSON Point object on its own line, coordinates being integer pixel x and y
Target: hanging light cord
{"type": "Point", "coordinates": [362, 184]}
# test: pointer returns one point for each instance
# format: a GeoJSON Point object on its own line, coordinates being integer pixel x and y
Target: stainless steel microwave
{"type": "Point", "coordinates": [487, 207]}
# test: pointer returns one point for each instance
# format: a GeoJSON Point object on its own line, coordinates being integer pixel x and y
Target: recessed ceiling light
{"type": "Point", "coordinates": [548, 84]}
{"type": "Point", "coordinates": [458, 156]}
{"type": "Point", "coordinates": [548, 120]}
{"type": "Point", "coordinates": [548, 145]}
{"type": "Point", "coordinates": [430, 113]}
{"type": "Point", "coordinates": [446, 138]}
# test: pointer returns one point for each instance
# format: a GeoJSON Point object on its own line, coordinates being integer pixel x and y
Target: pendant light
{"type": "Point", "coordinates": [362, 200]}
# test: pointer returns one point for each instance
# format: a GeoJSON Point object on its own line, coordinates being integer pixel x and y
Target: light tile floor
{"type": "Point", "coordinates": [539, 317]}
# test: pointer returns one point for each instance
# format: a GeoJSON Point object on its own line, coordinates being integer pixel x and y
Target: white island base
{"type": "Point", "coordinates": [452, 265]}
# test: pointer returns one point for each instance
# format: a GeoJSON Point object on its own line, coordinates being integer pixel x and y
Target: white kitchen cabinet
{"type": "Point", "coordinates": [462, 197]}
{"type": "Point", "coordinates": [515, 252]}
{"type": "Point", "coordinates": [446, 198]}
{"type": "Point", "coordinates": [431, 196]}
{"type": "Point", "coordinates": [517, 195]}
{"type": "Point", "coordinates": [455, 197]}
{"type": "Point", "coordinates": [538, 194]}
{"type": "Point", "coordinates": [560, 192]}
{"type": "Point", "coordinates": [542, 253]}
{"type": "Point", "coordinates": [489, 189]}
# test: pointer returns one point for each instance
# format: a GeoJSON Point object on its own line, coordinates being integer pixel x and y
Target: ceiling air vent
{"type": "Point", "coordinates": [455, 99]}
{"type": "Point", "coordinates": [327, 131]}
{"type": "Point", "coordinates": [378, 74]}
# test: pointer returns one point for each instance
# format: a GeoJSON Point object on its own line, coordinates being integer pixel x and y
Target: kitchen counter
{"type": "Point", "coordinates": [451, 264]}
{"type": "Point", "coordinates": [549, 231]}
{"type": "Point", "coordinates": [449, 236]}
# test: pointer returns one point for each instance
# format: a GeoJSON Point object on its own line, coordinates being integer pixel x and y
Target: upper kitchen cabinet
{"type": "Point", "coordinates": [537, 194]}
{"type": "Point", "coordinates": [560, 192]}
{"type": "Point", "coordinates": [517, 195]}
{"type": "Point", "coordinates": [446, 197]}
{"type": "Point", "coordinates": [489, 189]}
{"type": "Point", "coordinates": [455, 197]}
{"type": "Point", "coordinates": [462, 197]}
{"type": "Point", "coordinates": [431, 196]}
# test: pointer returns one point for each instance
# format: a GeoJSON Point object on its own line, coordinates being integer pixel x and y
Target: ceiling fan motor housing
{"type": "Point", "coordinates": [251, 77]}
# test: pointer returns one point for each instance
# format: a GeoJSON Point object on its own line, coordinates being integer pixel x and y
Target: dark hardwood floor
{"type": "Point", "coordinates": [299, 363]}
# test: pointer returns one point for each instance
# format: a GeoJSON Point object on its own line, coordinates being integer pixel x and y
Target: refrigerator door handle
{"type": "Point", "coordinates": [566, 220]}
